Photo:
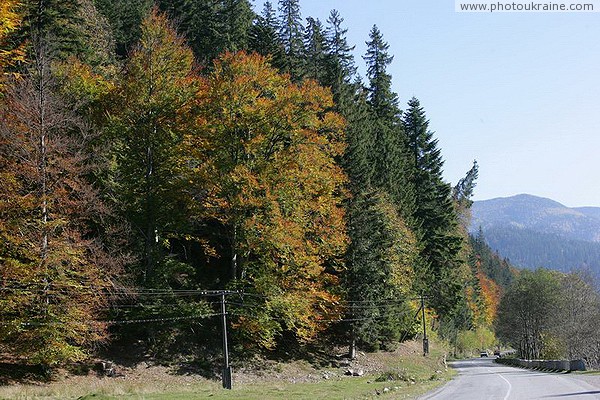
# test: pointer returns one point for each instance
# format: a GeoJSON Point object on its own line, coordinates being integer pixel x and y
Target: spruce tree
{"type": "Point", "coordinates": [380, 259]}
{"type": "Point", "coordinates": [264, 37]}
{"type": "Point", "coordinates": [314, 50]}
{"type": "Point", "coordinates": [125, 18]}
{"type": "Point", "coordinates": [53, 21]}
{"type": "Point", "coordinates": [212, 27]}
{"type": "Point", "coordinates": [290, 34]}
{"type": "Point", "coordinates": [340, 68]}
{"type": "Point", "coordinates": [435, 216]}
{"type": "Point", "coordinates": [390, 158]}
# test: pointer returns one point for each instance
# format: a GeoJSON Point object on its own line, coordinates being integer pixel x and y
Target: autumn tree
{"type": "Point", "coordinates": [146, 123]}
{"type": "Point", "coordinates": [10, 19]}
{"type": "Point", "coordinates": [263, 157]}
{"type": "Point", "coordinates": [56, 271]}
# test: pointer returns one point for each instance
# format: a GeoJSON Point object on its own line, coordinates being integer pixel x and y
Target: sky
{"type": "Point", "coordinates": [518, 92]}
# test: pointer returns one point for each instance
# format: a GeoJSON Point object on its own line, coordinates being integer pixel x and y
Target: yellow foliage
{"type": "Point", "coordinates": [265, 153]}
{"type": "Point", "coordinates": [9, 22]}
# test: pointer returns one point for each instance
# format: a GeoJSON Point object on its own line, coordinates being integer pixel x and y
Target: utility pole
{"type": "Point", "coordinates": [425, 340]}
{"type": "Point", "coordinates": [226, 367]}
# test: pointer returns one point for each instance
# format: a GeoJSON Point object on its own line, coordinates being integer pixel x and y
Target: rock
{"type": "Point", "coordinates": [386, 389]}
{"type": "Point", "coordinates": [358, 372]}
{"type": "Point", "coordinates": [349, 372]}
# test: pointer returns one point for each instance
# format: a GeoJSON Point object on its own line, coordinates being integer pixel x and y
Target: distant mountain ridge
{"type": "Point", "coordinates": [538, 232]}
{"type": "Point", "coordinates": [538, 214]}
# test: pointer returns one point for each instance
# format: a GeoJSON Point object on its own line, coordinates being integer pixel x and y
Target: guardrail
{"type": "Point", "coordinates": [555, 365]}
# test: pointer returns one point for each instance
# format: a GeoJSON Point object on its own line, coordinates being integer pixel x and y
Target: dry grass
{"type": "Point", "coordinates": [405, 373]}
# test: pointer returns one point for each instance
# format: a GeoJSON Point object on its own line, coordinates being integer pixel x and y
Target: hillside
{"type": "Point", "coordinates": [534, 231]}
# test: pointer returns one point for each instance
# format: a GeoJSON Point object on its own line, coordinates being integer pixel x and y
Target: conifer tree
{"type": "Point", "coordinates": [340, 68]}
{"type": "Point", "coordinates": [212, 27]}
{"type": "Point", "coordinates": [435, 217]}
{"type": "Point", "coordinates": [392, 167]}
{"type": "Point", "coordinates": [55, 21]}
{"type": "Point", "coordinates": [125, 18]}
{"type": "Point", "coordinates": [290, 34]}
{"type": "Point", "coordinates": [314, 50]}
{"type": "Point", "coordinates": [380, 270]}
{"type": "Point", "coordinates": [264, 36]}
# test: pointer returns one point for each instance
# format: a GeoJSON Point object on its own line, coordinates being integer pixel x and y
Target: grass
{"type": "Point", "coordinates": [404, 376]}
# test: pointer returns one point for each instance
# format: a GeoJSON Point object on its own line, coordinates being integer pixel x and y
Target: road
{"type": "Point", "coordinates": [483, 379]}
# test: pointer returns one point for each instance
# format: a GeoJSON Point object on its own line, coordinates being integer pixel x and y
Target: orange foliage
{"type": "Point", "coordinates": [490, 293]}
{"type": "Point", "coordinates": [265, 153]}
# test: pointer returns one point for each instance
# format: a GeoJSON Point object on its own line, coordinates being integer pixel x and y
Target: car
{"type": "Point", "coordinates": [497, 353]}
{"type": "Point", "coordinates": [483, 354]}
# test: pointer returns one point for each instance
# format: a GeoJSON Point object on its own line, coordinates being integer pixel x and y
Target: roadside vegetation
{"type": "Point", "coordinates": [552, 315]}
{"type": "Point", "coordinates": [403, 373]}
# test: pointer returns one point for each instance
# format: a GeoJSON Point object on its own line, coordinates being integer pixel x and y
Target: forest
{"type": "Point", "coordinates": [154, 153]}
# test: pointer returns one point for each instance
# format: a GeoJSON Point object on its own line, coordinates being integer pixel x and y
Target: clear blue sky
{"type": "Point", "coordinates": [518, 92]}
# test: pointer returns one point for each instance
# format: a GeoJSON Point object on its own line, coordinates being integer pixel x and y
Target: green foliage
{"type": "Point", "coordinates": [380, 260]}
{"type": "Point", "coordinates": [314, 50]}
{"type": "Point", "coordinates": [212, 27]}
{"type": "Point", "coordinates": [340, 67]}
{"type": "Point", "coordinates": [125, 18]}
{"type": "Point", "coordinates": [494, 267]}
{"type": "Point", "coordinates": [470, 343]}
{"type": "Point", "coordinates": [435, 217]}
{"type": "Point", "coordinates": [70, 27]}
{"type": "Point", "coordinates": [290, 35]}
{"type": "Point", "coordinates": [525, 314]}
{"type": "Point", "coordinates": [147, 118]}
{"type": "Point", "coordinates": [264, 36]}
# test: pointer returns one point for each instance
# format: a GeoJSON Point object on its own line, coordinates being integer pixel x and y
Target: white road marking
{"type": "Point", "coordinates": [509, 386]}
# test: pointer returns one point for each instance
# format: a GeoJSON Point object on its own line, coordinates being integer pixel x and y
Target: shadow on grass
{"type": "Point", "coordinates": [11, 373]}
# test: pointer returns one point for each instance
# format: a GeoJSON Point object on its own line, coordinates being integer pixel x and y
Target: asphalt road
{"type": "Point", "coordinates": [482, 379]}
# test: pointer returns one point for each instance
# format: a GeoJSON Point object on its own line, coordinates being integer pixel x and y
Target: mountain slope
{"type": "Point", "coordinates": [538, 232]}
{"type": "Point", "coordinates": [538, 214]}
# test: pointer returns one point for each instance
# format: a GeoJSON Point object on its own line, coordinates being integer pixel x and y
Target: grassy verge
{"type": "Point", "coordinates": [399, 375]}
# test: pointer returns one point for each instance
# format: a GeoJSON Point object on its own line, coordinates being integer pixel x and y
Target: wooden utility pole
{"type": "Point", "coordinates": [425, 340]}
{"type": "Point", "coordinates": [226, 367]}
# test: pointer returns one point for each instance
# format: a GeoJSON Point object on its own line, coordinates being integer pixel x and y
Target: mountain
{"type": "Point", "coordinates": [534, 231]}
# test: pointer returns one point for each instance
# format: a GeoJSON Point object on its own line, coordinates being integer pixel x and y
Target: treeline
{"type": "Point", "coordinates": [552, 315]}
{"type": "Point", "coordinates": [530, 249]}
{"type": "Point", "coordinates": [144, 161]}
